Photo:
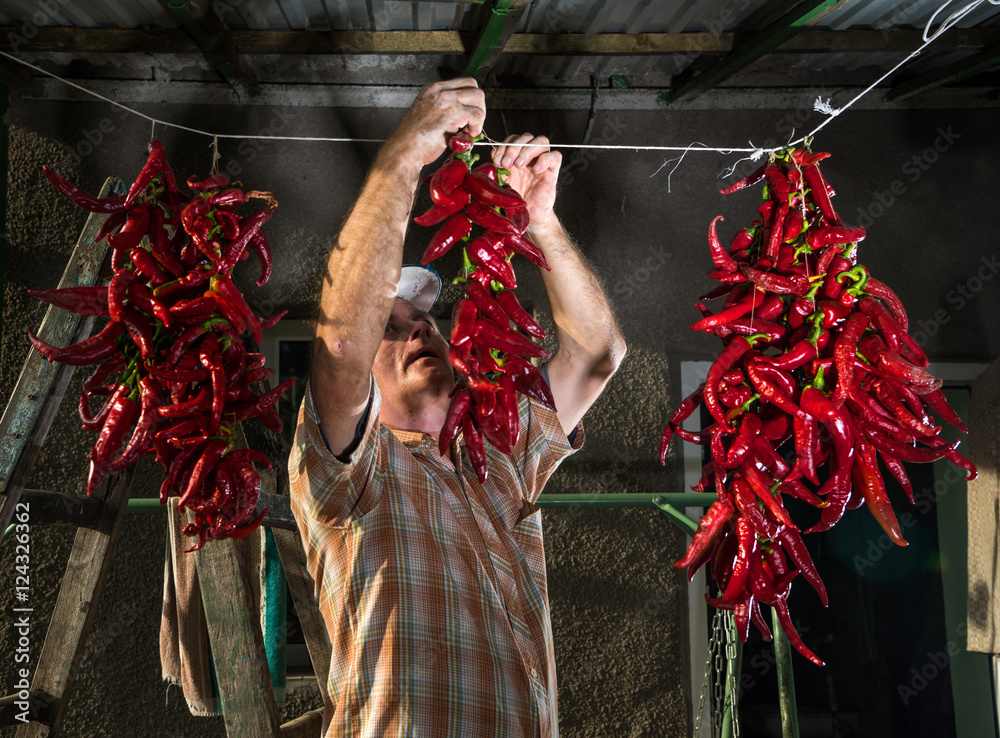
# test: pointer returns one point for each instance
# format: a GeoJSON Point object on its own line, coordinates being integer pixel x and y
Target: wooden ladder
{"type": "Point", "coordinates": [245, 688]}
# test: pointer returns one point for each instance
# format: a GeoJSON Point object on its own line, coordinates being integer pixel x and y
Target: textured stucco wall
{"type": "Point", "coordinates": [618, 604]}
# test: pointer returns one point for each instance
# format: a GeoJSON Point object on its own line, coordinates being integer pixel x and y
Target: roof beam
{"type": "Point", "coordinates": [945, 75]}
{"type": "Point", "coordinates": [174, 41]}
{"type": "Point", "coordinates": [787, 26]}
{"type": "Point", "coordinates": [503, 18]}
{"type": "Point", "coordinates": [217, 44]}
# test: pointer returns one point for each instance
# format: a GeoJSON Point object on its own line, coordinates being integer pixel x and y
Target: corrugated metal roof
{"type": "Point", "coordinates": [710, 17]}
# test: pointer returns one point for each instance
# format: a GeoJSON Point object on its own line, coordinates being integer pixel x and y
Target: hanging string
{"type": "Point", "coordinates": [822, 106]}
{"type": "Point", "coordinates": [755, 153]}
{"type": "Point", "coordinates": [216, 156]}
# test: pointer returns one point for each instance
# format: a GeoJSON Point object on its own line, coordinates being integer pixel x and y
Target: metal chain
{"type": "Point", "coordinates": [719, 654]}
{"type": "Point", "coordinates": [731, 670]}
{"type": "Point", "coordinates": [713, 646]}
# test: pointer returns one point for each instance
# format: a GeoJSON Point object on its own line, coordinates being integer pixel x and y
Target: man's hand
{"type": "Point", "coordinates": [439, 110]}
{"type": "Point", "coordinates": [533, 170]}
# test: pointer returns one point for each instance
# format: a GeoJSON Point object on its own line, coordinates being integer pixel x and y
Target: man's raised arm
{"type": "Point", "coordinates": [364, 265]}
{"type": "Point", "coordinates": [591, 345]}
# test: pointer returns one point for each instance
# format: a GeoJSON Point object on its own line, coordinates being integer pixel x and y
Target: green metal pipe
{"type": "Point", "coordinates": [145, 506]}
{"type": "Point", "coordinates": [208, 42]}
{"type": "Point", "coordinates": [786, 681]}
{"type": "Point", "coordinates": [646, 499]}
{"type": "Point", "coordinates": [734, 670]}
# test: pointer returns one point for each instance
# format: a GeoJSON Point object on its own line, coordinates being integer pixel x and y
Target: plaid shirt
{"type": "Point", "coordinates": [432, 586]}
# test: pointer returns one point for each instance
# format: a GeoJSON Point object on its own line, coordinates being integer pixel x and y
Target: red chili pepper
{"type": "Point", "coordinates": [736, 347]}
{"type": "Point", "coordinates": [720, 257]}
{"type": "Point", "coordinates": [792, 543]}
{"type": "Point", "coordinates": [870, 484]}
{"type": "Point", "coordinates": [463, 321]}
{"type": "Point", "coordinates": [751, 301]}
{"type": "Point", "coordinates": [88, 351]}
{"type": "Point", "coordinates": [485, 216]}
{"type": "Point", "coordinates": [444, 181]}
{"type": "Point", "coordinates": [529, 380]}
{"type": "Point", "coordinates": [154, 165]}
{"type": "Point", "coordinates": [84, 199]}
{"type": "Point", "coordinates": [742, 240]}
{"type": "Point", "coordinates": [749, 181]}
{"type": "Point", "coordinates": [766, 380]}
{"type": "Point", "coordinates": [822, 237]}
{"type": "Point", "coordinates": [453, 231]}
{"type": "Point", "coordinates": [132, 232]}
{"type": "Point", "coordinates": [937, 402]}
{"type": "Point", "coordinates": [118, 422]}
{"type": "Point", "coordinates": [461, 142]}
{"type": "Point", "coordinates": [820, 194]}
{"type": "Point", "coordinates": [143, 299]}
{"type": "Point", "coordinates": [710, 526]}
{"type": "Point", "coordinates": [215, 182]}
{"type": "Point", "coordinates": [483, 255]}
{"type": "Point", "coordinates": [147, 266]}
{"type": "Point", "coordinates": [884, 293]}
{"type": "Point", "coordinates": [484, 189]}
{"type": "Point", "coordinates": [484, 301]}
{"type": "Point", "coordinates": [474, 447]}
{"type": "Point", "coordinates": [526, 248]}
{"type": "Point", "coordinates": [111, 224]}
{"type": "Point", "coordinates": [843, 354]}
{"type": "Point", "coordinates": [79, 300]}
{"type": "Point", "coordinates": [761, 484]}
{"type": "Point", "coordinates": [460, 404]}
{"type": "Point", "coordinates": [145, 426]}
{"type": "Point", "coordinates": [746, 503]}
{"type": "Point", "coordinates": [222, 286]}
{"type": "Point", "coordinates": [792, 225]}
{"type": "Point", "coordinates": [211, 455]}
{"type": "Point", "coordinates": [97, 422]}
{"type": "Point", "coordinates": [746, 549]}
{"type": "Point", "coordinates": [249, 226]}
{"type": "Point", "coordinates": [493, 335]}
{"type": "Point", "coordinates": [518, 315]}
{"type": "Point", "coordinates": [230, 198]}
{"type": "Point", "coordinates": [260, 246]}
{"type": "Point", "coordinates": [776, 233]}
{"type": "Point", "coordinates": [437, 213]}
{"type": "Point", "coordinates": [489, 170]}
{"type": "Point", "coordinates": [736, 396]}
{"type": "Point", "coordinates": [890, 400]}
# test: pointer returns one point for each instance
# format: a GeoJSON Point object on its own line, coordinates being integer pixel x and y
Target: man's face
{"type": "Point", "coordinates": [411, 366]}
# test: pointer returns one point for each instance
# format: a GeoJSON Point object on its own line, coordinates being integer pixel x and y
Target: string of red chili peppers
{"type": "Point", "coordinates": [490, 357]}
{"type": "Point", "coordinates": [172, 369]}
{"type": "Point", "coordinates": [817, 381]}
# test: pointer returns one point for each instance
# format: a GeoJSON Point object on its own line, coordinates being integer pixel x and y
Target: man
{"type": "Point", "coordinates": [432, 585]}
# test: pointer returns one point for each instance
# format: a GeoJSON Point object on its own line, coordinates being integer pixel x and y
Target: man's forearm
{"type": "Point", "coordinates": [591, 345]}
{"type": "Point", "coordinates": [364, 265]}
{"type": "Point", "coordinates": [585, 322]}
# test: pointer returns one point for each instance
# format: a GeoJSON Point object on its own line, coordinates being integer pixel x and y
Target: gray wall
{"type": "Point", "coordinates": [618, 604]}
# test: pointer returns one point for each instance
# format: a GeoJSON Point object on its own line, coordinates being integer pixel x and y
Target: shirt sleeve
{"type": "Point", "coordinates": [330, 490]}
{"type": "Point", "coordinates": [543, 445]}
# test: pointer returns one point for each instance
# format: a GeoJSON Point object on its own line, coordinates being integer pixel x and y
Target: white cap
{"type": "Point", "coordinates": [420, 285]}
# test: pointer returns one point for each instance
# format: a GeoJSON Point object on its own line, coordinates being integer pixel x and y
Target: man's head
{"type": "Point", "coordinates": [411, 366]}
